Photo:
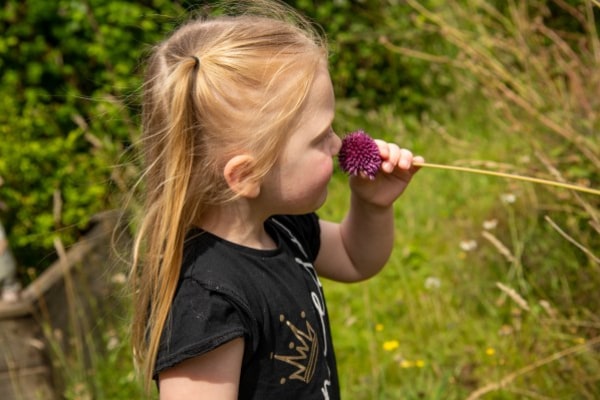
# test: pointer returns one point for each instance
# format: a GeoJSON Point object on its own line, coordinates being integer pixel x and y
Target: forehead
{"type": "Point", "coordinates": [322, 87]}
{"type": "Point", "coordinates": [320, 103]}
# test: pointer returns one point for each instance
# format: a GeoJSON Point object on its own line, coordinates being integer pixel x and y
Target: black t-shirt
{"type": "Point", "coordinates": [271, 298]}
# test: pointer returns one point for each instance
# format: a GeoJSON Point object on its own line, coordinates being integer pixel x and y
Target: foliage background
{"type": "Point", "coordinates": [508, 85]}
{"type": "Point", "coordinates": [70, 75]}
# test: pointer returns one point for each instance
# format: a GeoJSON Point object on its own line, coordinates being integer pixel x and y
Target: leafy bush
{"type": "Point", "coordinates": [69, 68]}
{"type": "Point", "coordinates": [361, 67]}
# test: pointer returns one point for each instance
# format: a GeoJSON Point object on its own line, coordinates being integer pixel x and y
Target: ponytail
{"type": "Point", "coordinates": [166, 235]}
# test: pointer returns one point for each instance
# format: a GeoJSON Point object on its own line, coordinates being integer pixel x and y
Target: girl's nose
{"type": "Point", "coordinates": [336, 145]}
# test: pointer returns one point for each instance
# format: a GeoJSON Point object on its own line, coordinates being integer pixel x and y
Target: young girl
{"type": "Point", "coordinates": [239, 149]}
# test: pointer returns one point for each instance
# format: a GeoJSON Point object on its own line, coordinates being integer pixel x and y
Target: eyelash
{"type": "Point", "coordinates": [324, 137]}
{"type": "Point", "coordinates": [327, 135]}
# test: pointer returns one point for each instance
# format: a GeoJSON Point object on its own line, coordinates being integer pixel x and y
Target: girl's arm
{"type": "Point", "coordinates": [214, 375]}
{"type": "Point", "coordinates": [361, 244]}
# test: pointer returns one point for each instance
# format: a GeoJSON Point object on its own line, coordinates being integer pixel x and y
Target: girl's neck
{"type": "Point", "coordinates": [236, 223]}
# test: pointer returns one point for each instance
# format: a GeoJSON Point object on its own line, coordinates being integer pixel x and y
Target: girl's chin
{"type": "Point", "coordinates": [314, 206]}
{"type": "Point", "coordinates": [322, 200]}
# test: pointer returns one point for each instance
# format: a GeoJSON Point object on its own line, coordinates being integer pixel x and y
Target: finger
{"type": "Point", "coordinates": [383, 148]}
{"type": "Point", "coordinates": [415, 166]}
{"type": "Point", "coordinates": [405, 159]}
{"type": "Point", "coordinates": [394, 155]}
{"type": "Point", "coordinates": [416, 163]}
{"type": "Point", "coordinates": [387, 152]}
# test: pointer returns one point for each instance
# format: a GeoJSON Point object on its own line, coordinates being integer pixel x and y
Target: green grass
{"type": "Point", "coordinates": [401, 336]}
{"type": "Point", "coordinates": [438, 331]}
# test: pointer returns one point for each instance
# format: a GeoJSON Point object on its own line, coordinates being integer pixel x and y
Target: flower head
{"type": "Point", "coordinates": [490, 224]}
{"type": "Point", "coordinates": [390, 345]}
{"type": "Point", "coordinates": [508, 198]}
{"type": "Point", "coordinates": [432, 283]}
{"type": "Point", "coordinates": [359, 154]}
{"type": "Point", "coordinates": [468, 245]}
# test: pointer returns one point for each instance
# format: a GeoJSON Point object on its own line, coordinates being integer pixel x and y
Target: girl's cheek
{"type": "Point", "coordinates": [330, 166]}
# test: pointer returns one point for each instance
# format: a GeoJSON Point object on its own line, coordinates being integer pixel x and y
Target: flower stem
{"type": "Point", "coordinates": [511, 176]}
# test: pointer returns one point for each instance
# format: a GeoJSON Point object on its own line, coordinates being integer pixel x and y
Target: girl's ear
{"type": "Point", "coordinates": [239, 177]}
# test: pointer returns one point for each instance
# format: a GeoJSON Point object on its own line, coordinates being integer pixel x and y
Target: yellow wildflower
{"type": "Point", "coordinates": [390, 345]}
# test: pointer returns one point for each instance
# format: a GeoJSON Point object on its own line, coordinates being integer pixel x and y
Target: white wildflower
{"type": "Point", "coordinates": [490, 224]}
{"type": "Point", "coordinates": [468, 245]}
{"type": "Point", "coordinates": [119, 278]}
{"type": "Point", "coordinates": [508, 198]}
{"type": "Point", "coordinates": [113, 343]}
{"type": "Point", "coordinates": [432, 283]}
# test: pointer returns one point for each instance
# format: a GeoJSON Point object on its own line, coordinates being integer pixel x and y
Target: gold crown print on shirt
{"type": "Point", "coordinates": [304, 350]}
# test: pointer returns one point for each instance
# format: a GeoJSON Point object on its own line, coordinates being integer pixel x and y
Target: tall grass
{"type": "Point", "coordinates": [88, 342]}
{"type": "Point", "coordinates": [493, 287]}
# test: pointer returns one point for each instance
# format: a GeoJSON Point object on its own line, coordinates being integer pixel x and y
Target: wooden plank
{"type": "Point", "coordinates": [24, 368]}
{"type": "Point", "coordinates": [27, 384]}
{"type": "Point", "coordinates": [17, 309]}
{"type": "Point", "coordinates": [21, 345]}
{"type": "Point", "coordinates": [55, 273]}
{"type": "Point", "coordinates": [66, 298]}
{"type": "Point", "coordinates": [99, 235]}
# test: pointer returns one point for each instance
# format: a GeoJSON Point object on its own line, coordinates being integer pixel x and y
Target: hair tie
{"type": "Point", "coordinates": [196, 62]}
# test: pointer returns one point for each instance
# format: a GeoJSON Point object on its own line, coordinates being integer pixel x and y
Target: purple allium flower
{"type": "Point", "coordinates": [359, 154]}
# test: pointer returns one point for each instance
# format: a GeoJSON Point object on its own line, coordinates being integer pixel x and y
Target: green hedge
{"type": "Point", "coordinates": [68, 70]}
{"type": "Point", "coordinates": [362, 68]}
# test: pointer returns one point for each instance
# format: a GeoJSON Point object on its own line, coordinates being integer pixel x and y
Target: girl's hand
{"type": "Point", "coordinates": [396, 171]}
{"type": "Point", "coordinates": [359, 246]}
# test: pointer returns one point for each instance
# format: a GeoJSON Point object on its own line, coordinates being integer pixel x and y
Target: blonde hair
{"type": "Point", "coordinates": [215, 88]}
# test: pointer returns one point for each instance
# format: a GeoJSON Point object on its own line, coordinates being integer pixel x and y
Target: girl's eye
{"type": "Point", "coordinates": [325, 137]}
